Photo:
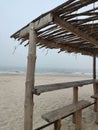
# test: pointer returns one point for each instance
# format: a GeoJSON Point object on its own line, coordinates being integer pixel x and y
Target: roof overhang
{"type": "Point", "coordinates": [67, 27]}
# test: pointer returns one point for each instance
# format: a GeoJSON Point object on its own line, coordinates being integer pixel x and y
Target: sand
{"type": "Point", "coordinates": [12, 101]}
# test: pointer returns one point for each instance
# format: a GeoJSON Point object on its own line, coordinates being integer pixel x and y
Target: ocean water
{"type": "Point", "coordinates": [12, 70]}
{"type": "Point", "coordinates": [53, 71]}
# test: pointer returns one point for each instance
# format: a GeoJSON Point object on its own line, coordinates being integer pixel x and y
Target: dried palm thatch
{"type": "Point", "coordinates": [70, 27]}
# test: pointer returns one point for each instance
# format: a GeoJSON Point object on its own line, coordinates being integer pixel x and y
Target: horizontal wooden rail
{"type": "Point", "coordinates": [59, 113]}
{"type": "Point", "coordinates": [48, 124]}
{"type": "Point", "coordinates": [57, 86]}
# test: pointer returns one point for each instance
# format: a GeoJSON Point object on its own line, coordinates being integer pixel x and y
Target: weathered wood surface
{"type": "Point", "coordinates": [67, 26]}
{"type": "Point", "coordinates": [51, 87]}
{"type": "Point", "coordinates": [57, 125]}
{"type": "Point", "coordinates": [64, 111]}
{"type": "Point", "coordinates": [96, 121]}
{"type": "Point", "coordinates": [94, 66]}
{"type": "Point", "coordinates": [78, 122]}
{"type": "Point", "coordinates": [96, 103]}
{"type": "Point", "coordinates": [40, 23]}
{"type": "Point", "coordinates": [95, 88]}
{"type": "Point", "coordinates": [75, 30]}
{"type": "Point", "coordinates": [75, 100]}
{"type": "Point", "coordinates": [28, 106]}
{"type": "Point", "coordinates": [75, 94]}
{"type": "Point", "coordinates": [95, 96]}
{"type": "Point", "coordinates": [62, 45]}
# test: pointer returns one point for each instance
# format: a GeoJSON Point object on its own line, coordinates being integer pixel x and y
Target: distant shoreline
{"type": "Point", "coordinates": [62, 74]}
{"type": "Point", "coordinates": [48, 71]}
{"type": "Point", "coordinates": [44, 75]}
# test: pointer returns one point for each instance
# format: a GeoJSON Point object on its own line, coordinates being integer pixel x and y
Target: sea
{"type": "Point", "coordinates": [51, 71]}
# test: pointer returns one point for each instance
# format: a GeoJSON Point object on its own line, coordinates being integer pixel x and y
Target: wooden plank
{"type": "Point", "coordinates": [51, 87]}
{"type": "Point", "coordinates": [38, 24]}
{"type": "Point", "coordinates": [95, 96]}
{"type": "Point", "coordinates": [28, 106]}
{"type": "Point", "coordinates": [64, 111]}
{"type": "Point", "coordinates": [67, 26]}
{"type": "Point", "coordinates": [48, 124]}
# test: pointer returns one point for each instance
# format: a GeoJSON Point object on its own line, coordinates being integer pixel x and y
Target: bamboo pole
{"type": "Point", "coordinates": [28, 106]}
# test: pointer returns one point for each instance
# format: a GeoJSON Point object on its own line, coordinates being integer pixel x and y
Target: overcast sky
{"type": "Point", "coordinates": [18, 13]}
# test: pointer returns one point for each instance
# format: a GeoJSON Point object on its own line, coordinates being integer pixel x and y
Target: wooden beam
{"type": "Point", "coordinates": [24, 32]}
{"type": "Point", "coordinates": [28, 106]}
{"type": "Point", "coordinates": [43, 21]}
{"type": "Point", "coordinates": [67, 26]}
{"type": "Point", "coordinates": [52, 44]}
{"type": "Point", "coordinates": [58, 86]}
{"type": "Point", "coordinates": [62, 46]}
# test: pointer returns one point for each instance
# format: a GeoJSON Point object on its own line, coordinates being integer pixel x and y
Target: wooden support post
{"type": "Point", "coordinates": [57, 125]}
{"type": "Point", "coordinates": [94, 66]}
{"type": "Point", "coordinates": [75, 94]}
{"type": "Point", "coordinates": [94, 77]}
{"type": "Point", "coordinates": [96, 102]}
{"type": "Point", "coordinates": [75, 100]}
{"type": "Point", "coordinates": [79, 120]}
{"type": "Point", "coordinates": [28, 106]}
{"type": "Point", "coordinates": [96, 112]}
{"type": "Point", "coordinates": [96, 97]}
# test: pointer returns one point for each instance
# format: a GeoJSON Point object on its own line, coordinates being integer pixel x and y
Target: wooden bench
{"type": "Point", "coordinates": [96, 102]}
{"type": "Point", "coordinates": [58, 114]}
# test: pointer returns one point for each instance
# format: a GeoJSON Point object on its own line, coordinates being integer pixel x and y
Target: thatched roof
{"type": "Point", "coordinates": [71, 27]}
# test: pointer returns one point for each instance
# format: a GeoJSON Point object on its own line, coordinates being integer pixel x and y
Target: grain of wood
{"type": "Point", "coordinates": [28, 111]}
{"type": "Point", "coordinates": [52, 87]}
{"type": "Point", "coordinates": [63, 112]}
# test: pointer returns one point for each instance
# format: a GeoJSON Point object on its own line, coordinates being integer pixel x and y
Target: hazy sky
{"type": "Point", "coordinates": [18, 13]}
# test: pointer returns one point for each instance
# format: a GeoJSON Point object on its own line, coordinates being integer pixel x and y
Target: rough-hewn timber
{"type": "Point", "coordinates": [62, 112]}
{"type": "Point", "coordinates": [51, 87]}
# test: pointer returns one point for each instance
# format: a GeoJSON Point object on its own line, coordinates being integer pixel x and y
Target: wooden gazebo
{"type": "Point", "coordinates": [71, 27]}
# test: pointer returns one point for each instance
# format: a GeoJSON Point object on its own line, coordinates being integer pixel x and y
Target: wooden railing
{"type": "Point", "coordinates": [52, 87]}
{"type": "Point", "coordinates": [58, 86]}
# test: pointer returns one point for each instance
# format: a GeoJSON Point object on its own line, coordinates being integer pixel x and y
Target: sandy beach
{"type": "Point", "coordinates": [12, 90]}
